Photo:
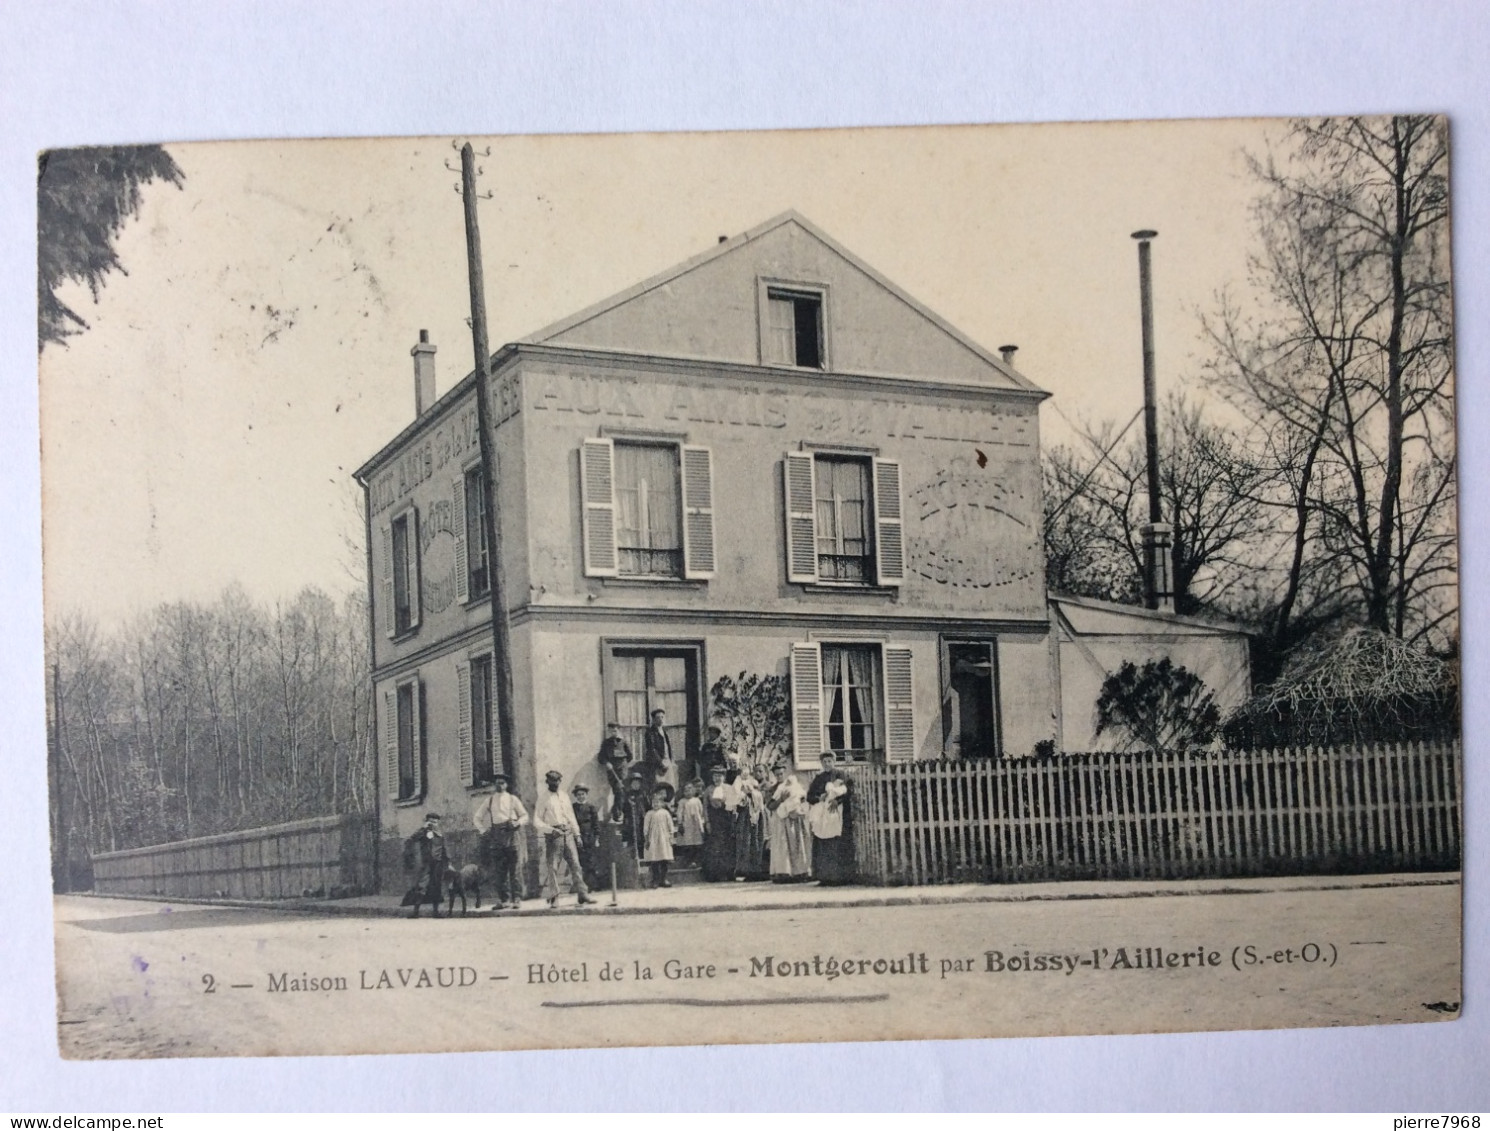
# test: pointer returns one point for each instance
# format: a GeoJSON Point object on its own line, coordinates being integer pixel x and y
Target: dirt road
{"type": "Point", "coordinates": [141, 979]}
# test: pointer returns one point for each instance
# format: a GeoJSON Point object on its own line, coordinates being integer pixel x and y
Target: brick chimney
{"type": "Point", "coordinates": [424, 374]}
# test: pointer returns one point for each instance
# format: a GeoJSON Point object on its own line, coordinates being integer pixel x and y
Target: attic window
{"type": "Point", "coordinates": [793, 328]}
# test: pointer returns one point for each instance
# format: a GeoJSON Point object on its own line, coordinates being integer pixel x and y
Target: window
{"type": "Point", "coordinates": [843, 519]}
{"type": "Point", "coordinates": [647, 509]}
{"type": "Point", "coordinates": [472, 502]}
{"type": "Point", "coordinates": [403, 740]}
{"type": "Point", "coordinates": [850, 700]}
{"type": "Point", "coordinates": [649, 538]}
{"type": "Point", "coordinates": [854, 699]}
{"type": "Point", "coordinates": [482, 744]}
{"type": "Point", "coordinates": [401, 573]}
{"type": "Point", "coordinates": [794, 329]}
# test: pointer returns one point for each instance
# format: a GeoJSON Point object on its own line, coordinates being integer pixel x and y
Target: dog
{"type": "Point", "coordinates": [461, 882]}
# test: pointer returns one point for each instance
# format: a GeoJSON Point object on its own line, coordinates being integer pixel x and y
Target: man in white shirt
{"type": "Point", "coordinates": [499, 820]}
{"type": "Point", "coordinates": [554, 818]}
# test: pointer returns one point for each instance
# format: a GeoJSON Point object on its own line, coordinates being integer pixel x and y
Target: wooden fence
{"type": "Point", "coordinates": [319, 856]}
{"type": "Point", "coordinates": [1121, 816]}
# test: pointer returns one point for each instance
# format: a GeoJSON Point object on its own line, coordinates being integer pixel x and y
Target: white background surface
{"type": "Point", "coordinates": [173, 70]}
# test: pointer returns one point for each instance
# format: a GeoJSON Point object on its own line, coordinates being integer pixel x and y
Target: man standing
{"type": "Point", "coordinates": [499, 820]}
{"type": "Point", "coordinates": [555, 820]}
{"type": "Point", "coordinates": [426, 850]}
{"type": "Point", "coordinates": [588, 819]}
{"type": "Point", "coordinates": [657, 754]}
{"type": "Point", "coordinates": [710, 754]}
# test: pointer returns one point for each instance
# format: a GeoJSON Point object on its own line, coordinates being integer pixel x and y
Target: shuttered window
{"type": "Point", "coordinates": [472, 577]}
{"type": "Point", "coordinates": [648, 509]}
{"type": "Point", "coordinates": [843, 519]}
{"type": "Point", "coordinates": [403, 741]}
{"type": "Point", "coordinates": [475, 721]}
{"type": "Point", "coordinates": [403, 572]}
{"type": "Point", "coordinates": [855, 700]}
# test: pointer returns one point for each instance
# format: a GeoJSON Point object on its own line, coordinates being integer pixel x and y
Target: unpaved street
{"type": "Point", "coordinates": [138, 979]}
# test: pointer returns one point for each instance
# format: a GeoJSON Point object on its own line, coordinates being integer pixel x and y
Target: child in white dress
{"type": "Point", "coordinates": [657, 833]}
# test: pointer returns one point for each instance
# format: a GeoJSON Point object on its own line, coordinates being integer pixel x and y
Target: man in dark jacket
{"type": "Point", "coordinates": [426, 850]}
{"type": "Point", "coordinates": [588, 839]}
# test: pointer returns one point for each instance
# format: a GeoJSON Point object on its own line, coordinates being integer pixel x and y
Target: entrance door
{"type": "Point", "coordinates": [970, 719]}
{"type": "Point", "coordinates": [643, 679]}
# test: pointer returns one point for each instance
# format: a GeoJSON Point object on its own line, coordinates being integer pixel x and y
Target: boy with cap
{"type": "Point", "coordinates": [555, 819]}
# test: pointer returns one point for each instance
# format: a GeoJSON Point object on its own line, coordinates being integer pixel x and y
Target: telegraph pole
{"type": "Point", "coordinates": [501, 635]}
{"type": "Point", "coordinates": [1158, 545]}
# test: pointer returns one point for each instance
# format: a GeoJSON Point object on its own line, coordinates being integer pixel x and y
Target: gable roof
{"type": "Point", "coordinates": [549, 334]}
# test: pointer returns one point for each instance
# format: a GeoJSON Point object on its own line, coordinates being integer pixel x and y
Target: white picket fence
{"type": "Point", "coordinates": [1119, 816]}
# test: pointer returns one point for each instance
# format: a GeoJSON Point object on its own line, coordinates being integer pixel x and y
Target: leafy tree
{"type": "Point", "coordinates": [84, 197]}
{"type": "Point", "coordinates": [1158, 706]}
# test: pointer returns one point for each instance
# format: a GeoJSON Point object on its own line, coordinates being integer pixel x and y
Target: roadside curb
{"type": "Point", "coordinates": [1009, 894]}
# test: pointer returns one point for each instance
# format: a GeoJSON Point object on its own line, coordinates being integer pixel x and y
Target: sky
{"type": "Point", "coordinates": [204, 429]}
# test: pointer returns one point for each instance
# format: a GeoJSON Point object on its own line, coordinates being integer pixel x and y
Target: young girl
{"type": "Point", "coordinates": [690, 824]}
{"type": "Point", "coordinates": [657, 851]}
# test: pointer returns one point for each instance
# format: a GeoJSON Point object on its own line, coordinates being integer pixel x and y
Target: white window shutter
{"type": "Point", "coordinates": [900, 720]}
{"type": "Point", "coordinates": [497, 758]}
{"type": "Point", "coordinates": [463, 720]}
{"type": "Point", "coordinates": [458, 524]}
{"type": "Point", "coordinates": [390, 614]}
{"type": "Point", "coordinates": [390, 742]}
{"type": "Point", "coordinates": [698, 512]}
{"type": "Point", "coordinates": [416, 598]}
{"type": "Point", "coordinates": [889, 541]}
{"type": "Point", "coordinates": [801, 518]}
{"type": "Point", "coordinates": [417, 729]}
{"type": "Point", "coordinates": [807, 706]}
{"type": "Point", "coordinates": [598, 504]}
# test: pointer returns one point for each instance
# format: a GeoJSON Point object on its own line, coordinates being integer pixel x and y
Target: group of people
{"type": "Point", "coordinates": [734, 821]}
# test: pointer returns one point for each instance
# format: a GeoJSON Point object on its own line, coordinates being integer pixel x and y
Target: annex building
{"type": "Point", "coordinates": [770, 460]}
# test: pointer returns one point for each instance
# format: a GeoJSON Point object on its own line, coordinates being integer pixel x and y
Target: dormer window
{"type": "Point", "coordinates": [793, 327]}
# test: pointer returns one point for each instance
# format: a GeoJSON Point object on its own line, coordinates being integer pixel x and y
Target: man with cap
{"type": "Point", "coordinates": [426, 850]}
{"type": "Point", "coordinates": [499, 819]}
{"type": "Point", "coordinates": [554, 818]}
{"type": "Point", "coordinates": [657, 753]}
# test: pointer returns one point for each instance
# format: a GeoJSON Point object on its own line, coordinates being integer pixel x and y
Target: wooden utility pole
{"type": "Point", "coordinates": [501, 635]}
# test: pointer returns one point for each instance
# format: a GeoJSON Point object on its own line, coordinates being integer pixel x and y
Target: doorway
{"type": "Point", "coordinates": [970, 700]}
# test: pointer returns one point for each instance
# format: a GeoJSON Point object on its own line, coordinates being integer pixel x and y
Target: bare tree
{"type": "Point", "coordinates": [1345, 364]}
{"type": "Point", "coordinates": [1097, 505]}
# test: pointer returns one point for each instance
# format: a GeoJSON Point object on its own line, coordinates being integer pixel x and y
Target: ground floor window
{"type": "Point", "coordinates": [970, 700]}
{"type": "Point", "coordinates": [403, 740]}
{"type": "Point", "coordinates": [851, 680]}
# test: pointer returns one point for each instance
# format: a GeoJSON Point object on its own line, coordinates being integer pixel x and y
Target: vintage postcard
{"type": "Point", "coordinates": [577, 591]}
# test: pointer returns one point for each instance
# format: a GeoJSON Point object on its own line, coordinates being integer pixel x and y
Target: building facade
{"type": "Point", "coordinates": [768, 460]}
